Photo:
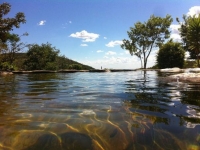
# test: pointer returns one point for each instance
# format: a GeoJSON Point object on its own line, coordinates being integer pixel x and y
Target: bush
{"type": "Point", "coordinates": [5, 66]}
{"type": "Point", "coordinates": [41, 57]}
{"type": "Point", "coordinates": [75, 66]}
{"type": "Point", "coordinates": [171, 55]}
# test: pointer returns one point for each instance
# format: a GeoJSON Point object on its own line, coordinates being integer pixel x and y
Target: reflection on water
{"type": "Point", "coordinates": [98, 111]}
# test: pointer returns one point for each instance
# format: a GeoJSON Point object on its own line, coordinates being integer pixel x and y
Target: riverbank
{"type": "Point", "coordinates": [184, 75]}
{"type": "Point", "coordinates": [65, 71]}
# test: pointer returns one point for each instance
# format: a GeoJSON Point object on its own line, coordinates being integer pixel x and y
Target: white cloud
{"type": "Point", "coordinates": [126, 52]}
{"type": "Point", "coordinates": [111, 53]}
{"type": "Point", "coordinates": [114, 43]}
{"type": "Point", "coordinates": [176, 37]}
{"type": "Point", "coordinates": [194, 11]}
{"type": "Point", "coordinates": [174, 28]}
{"type": "Point", "coordinates": [99, 51]}
{"type": "Point", "coordinates": [84, 45]}
{"type": "Point", "coordinates": [175, 34]}
{"type": "Point", "coordinates": [113, 63]}
{"type": "Point", "coordinates": [105, 37]}
{"type": "Point", "coordinates": [42, 22]}
{"type": "Point", "coordinates": [85, 36]}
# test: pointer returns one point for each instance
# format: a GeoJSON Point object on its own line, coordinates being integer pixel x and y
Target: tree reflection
{"type": "Point", "coordinates": [43, 83]}
{"type": "Point", "coordinates": [164, 101]}
{"type": "Point", "coordinates": [8, 86]}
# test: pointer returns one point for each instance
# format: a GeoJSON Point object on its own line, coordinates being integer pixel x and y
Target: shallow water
{"type": "Point", "coordinates": [98, 111]}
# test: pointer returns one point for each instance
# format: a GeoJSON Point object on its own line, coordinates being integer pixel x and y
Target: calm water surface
{"type": "Point", "coordinates": [98, 111]}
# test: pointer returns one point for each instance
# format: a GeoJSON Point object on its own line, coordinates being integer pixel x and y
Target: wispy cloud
{"type": "Point", "coordinates": [42, 22]}
{"type": "Point", "coordinates": [114, 43]}
{"type": "Point", "coordinates": [105, 37]}
{"type": "Point", "coordinates": [84, 45]}
{"type": "Point", "coordinates": [194, 11]}
{"type": "Point", "coordinates": [99, 51]}
{"type": "Point", "coordinates": [70, 22]}
{"type": "Point", "coordinates": [85, 36]}
{"type": "Point", "coordinates": [111, 53]}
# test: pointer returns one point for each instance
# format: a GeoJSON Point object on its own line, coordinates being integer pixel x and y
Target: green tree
{"type": "Point", "coordinates": [13, 46]}
{"type": "Point", "coordinates": [41, 57]}
{"type": "Point", "coordinates": [190, 31]}
{"type": "Point", "coordinates": [171, 55]}
{"type": "Point", "coordinates": [7, 24]}
{"type": "Point", "coordinates": [143, 37]}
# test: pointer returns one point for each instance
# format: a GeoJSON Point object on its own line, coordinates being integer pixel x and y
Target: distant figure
{"type": "Point", "coordinates": [101, 67]}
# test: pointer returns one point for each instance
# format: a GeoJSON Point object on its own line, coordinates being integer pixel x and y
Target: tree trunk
{"type": "Point", "coordinates": [145, 63]}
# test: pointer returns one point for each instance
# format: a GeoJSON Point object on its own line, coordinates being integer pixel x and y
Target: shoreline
{"type": "Point", "coordinates": [183, 75]}
{"type": "Point", "coordinates": [64, 71]}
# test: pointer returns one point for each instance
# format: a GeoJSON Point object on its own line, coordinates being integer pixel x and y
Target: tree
{"type": "Point", "coordinates": [190, 31]}
{"type": "Point", "coordinates": [13, 46]}
{"type": "Point", "coordinates": [9, 43]}
{"type": "Point", "coordinates": [143, 37]}
{"type": "Point", "coordinates": [41, 57]}
{"type": "Point", "coordinates": [7, 24]}
{"type": "Point", "coordinates": [171, 55]}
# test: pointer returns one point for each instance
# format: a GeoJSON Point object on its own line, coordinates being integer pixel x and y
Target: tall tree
{"type": "Point", "coordinates": [190, 31]}
{"type": "Point", "coordinates": [143, 37]}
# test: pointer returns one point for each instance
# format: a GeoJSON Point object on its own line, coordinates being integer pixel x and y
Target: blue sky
{"type": "Point", "coordinates": [91, 31]}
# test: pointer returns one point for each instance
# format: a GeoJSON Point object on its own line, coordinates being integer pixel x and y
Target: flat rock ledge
{"type": "Point", "coordinates": [5, 73]}
{"type": "Point", "coordinates": [172, 70]}
{"type": "Point", "coordinates": [185, 77]}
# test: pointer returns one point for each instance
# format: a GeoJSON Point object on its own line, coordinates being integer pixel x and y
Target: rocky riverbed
{"type": "Point", "coordinates": [184, 75]}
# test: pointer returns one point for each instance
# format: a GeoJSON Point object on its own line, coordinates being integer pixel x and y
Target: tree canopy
{"type": "Point", "coordinates": [143, 37]}
{"type": "Point", "coordinates": [41, 57]}
{"type": "Point", "coordinates": [190, 31]}
{"type": "Point", "coordinates": [170, 55]}
{"type": "Point", "coordinates": [7, 24]}
{"type": "Point", "coordinates": [9, 42]}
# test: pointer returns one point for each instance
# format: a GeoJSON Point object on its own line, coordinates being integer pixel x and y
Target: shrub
{"type": "Point", "coordinates": [171, 55]}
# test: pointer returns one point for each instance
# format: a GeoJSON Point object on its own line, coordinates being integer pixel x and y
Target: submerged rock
{"type": "Point", "coordinates": [76, 141]}
{"type": "Point", "coordinates": [36, 139]}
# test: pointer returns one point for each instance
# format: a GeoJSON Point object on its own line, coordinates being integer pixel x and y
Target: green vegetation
{"type": "Point", "coordinates": [7, 24]}
{"type": "Point", "coordinates": [143, 37]}
{"type": "Point", "coordinates": [9, 43]}
{"type": "Point", "coordinates": [45, 57]}
{"type": "Point", "coordinates": [190, 31]}
{"type": "Point", "coordinates": [38, 57]}
{"type": "Point", "coordinates": [41, 57]}
{"type": "Point", "coordinates": [171, 55]}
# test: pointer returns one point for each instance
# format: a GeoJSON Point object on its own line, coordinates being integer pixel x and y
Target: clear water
{"type": "Point", "coordinates": [98, 111]}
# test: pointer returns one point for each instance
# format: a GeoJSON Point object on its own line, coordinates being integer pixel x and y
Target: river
{"type": "Point", "coordinates": [133, 110]}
